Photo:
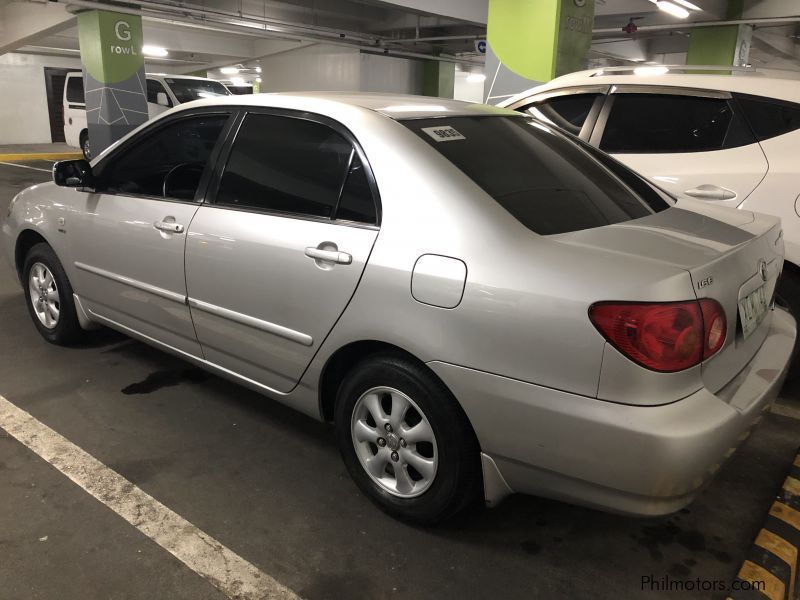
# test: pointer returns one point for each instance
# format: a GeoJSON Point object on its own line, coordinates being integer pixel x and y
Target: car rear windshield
{"type": "Point", "coordinates": [186, 90]}
{"type": "Point", "coordinates": [547, 181]}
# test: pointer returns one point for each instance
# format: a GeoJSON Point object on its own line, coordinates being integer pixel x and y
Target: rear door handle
{"type": "Point", "coordinates": [334, 256]}
{"type": "Point", "coordinates": [711, 192]}
{"type": "Point", "coordinates": [168, 227]}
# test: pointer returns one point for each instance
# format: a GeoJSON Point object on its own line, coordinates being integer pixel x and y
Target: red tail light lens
{"type": "Point", "coordinates": [667, 336]}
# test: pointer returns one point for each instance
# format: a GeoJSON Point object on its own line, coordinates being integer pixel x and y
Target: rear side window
{"type": "Point", "coordinates": [770, 118]}
{"type": "Point", "coordinates": [568, 112]}
{"type": "Point", "coordinates": [75, 90]}
{"type": "Point", "coordinates": [294, 166]}
{"type": "Point", "coordinates": [660, 123]}
{"type": "Point", "coordinates": [546, 181]}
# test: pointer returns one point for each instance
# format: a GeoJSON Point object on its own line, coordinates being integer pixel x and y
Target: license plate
{"type": "Point", "coordinates": [752, 310]}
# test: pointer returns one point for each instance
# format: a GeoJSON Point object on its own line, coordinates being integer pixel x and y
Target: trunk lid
{"type": "Point", "coordinates": [730, 254]}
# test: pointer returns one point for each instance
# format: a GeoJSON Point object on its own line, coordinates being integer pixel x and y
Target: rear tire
{"type": "Point", "coordinates": [85, 146]}
{"type": "Point", "coordinates": [788, 296]}
{"type": "Point", "coordinates": [432, 476]}
{"type": "Point", "coordinates": [48, 295]}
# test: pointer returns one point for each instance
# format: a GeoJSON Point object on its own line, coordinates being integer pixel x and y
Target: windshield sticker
{"type": "Point", "coordinates": [443, 133]}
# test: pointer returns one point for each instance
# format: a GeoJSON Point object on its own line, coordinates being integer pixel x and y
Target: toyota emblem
{"type": "Point", "coordinates": [762, 268]}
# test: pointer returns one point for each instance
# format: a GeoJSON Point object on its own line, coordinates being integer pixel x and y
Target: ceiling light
{"type": "Point", "coordinates": [154, 51]}
{"type": "Point", "coordinates": [651, 70]}
{"type": "Point", "coordinates": [673, 9]}
{"type": "Point", "coordinates": [258, 79]}
{"type": "Point", "coordinates": [687, 4]}
{"type": "Point", "coordinates": [229, 70]}
{"type": "Point", "coordinates": [476, 78]}
{"type": "Point", "coordinates": [258, 69]}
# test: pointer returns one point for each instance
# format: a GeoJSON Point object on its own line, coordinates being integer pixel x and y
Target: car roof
{"type": "Point", "coordinates": [753, 83]}
{"type": "Point", "coordinates": [395, 106]}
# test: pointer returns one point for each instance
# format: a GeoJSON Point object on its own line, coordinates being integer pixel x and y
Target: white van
{"type": "Point", "coordinates": [163, 92]}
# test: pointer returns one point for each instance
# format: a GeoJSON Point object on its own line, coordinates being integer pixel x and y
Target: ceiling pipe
{"type": "Point", "coordinates": [167, 14]}
{"type": "Point", "coordinates": [692, 25]}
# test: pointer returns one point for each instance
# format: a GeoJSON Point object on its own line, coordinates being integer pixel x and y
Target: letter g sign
{"type": "Point", "coordinates": [123, 31]}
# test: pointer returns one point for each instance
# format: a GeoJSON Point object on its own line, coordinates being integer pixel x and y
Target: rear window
{"type": "Point", "coordinates": [770, 118]}
{"type": "Point", "coordinates": [545, 180]}
{"type": "Point", "coordinates": [75, 90]}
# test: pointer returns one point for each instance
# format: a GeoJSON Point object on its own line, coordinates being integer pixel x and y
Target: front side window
{"type": "Point", "coordinates": [154, 88]}
{"type": "Point", "coordinates": [569, 112]}
{"type": "Point", "coordinates": [548, 182]}
{"type": "Point", "coordinates": [168, 163]}
{"type": "Point", "coordinates": [294, 166]}
{"type": "Point", "coordinates": [75, 90]}
{"type": "Point", "coordinates": [659, 123]}
{"type": "Point", "coordinates": [186, 90]}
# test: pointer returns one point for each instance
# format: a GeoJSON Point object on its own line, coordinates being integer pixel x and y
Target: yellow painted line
{"type": "Point", "coordinates": [796, 462]}
{"type": "Point", "coordinates": [792, 486]}
{"type": "Point", "coordinates": [783, 550]}
{"type": "Point", "coordinates": [774, 588]}
{"type": "Point", "coordinates": [16, 157]}
{"type": "Point", "coordinates": [785, 513]}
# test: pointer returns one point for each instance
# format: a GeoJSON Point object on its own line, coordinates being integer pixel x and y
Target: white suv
{"type": "Point", "coordinates": [163, 92]}
{"type": "Point", "coordinates": [730, 139]}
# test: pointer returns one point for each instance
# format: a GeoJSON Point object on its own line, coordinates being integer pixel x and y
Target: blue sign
{"type": "Point", "coordinates": [480, 46]}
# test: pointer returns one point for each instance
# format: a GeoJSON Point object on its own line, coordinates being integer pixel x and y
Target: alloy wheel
{"type": "Point", "coordinates": [44, 295]}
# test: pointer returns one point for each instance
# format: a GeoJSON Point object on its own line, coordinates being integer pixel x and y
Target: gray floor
{"type": "Point", "coordinates": [269, 484]}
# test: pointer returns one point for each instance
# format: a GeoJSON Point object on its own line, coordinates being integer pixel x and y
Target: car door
{"type": "Point", "coordinates": [274, 259]}
{"type": "Point", "coordinates": [130, 234]}
{"type": "Point", "coordinates": [691, 142]}
{"type": "Point", "coordinates": [573, 109]}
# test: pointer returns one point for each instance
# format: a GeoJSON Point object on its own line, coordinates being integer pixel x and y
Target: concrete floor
{"type": "Point", "coordinates": [269, 484]}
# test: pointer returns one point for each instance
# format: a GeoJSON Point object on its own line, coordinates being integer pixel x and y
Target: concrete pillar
{"type": "Point", "coordinates": [531, 42]}
{"type": "Point", "coordinates": [438, 79]}
{"type": "Point", "coordinates": [113, 75]}
{"type": "Point", "coordinates": [727, 45]}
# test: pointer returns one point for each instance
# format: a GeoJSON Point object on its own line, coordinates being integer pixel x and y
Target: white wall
{"type": "Point", "coordinates": [23, 109]}
{"type": "Point", "coordinates": [335, 68]}
{"type": "Point", "coordinates": [468, 91]}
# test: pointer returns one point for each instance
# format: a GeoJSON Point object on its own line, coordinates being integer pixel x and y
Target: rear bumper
{"type": "Point", "coordinates": [641, 460]}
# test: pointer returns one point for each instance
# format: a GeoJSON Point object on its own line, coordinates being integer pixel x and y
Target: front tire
{"type": "Point", "coordinates": [48, 295]}
{"type": "Point", "coordinates": [406, 442]}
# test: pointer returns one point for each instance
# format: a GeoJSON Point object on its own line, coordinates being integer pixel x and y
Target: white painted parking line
{"type": "Point", "coordinates": [786, 411]}
{"type": "Point", "coordinates": [25, 167]}
{"type": "Point", "coordinates": [227, 571]}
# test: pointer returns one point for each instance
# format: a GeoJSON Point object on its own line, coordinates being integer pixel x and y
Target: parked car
{"type": "Point", "coordinates": [476, 301]}
{"type": "Point", "coordinates": [729, 138]}
{"type": "Point", "coordinates": [163, 92]}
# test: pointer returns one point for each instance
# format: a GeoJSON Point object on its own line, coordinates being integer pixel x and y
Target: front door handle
{"type": "Point", "coordinates": [711, 192]}
{"type": "Point", "coordinates": [168, 227]}
{"type": "Point", "coordinates": [334, 256]}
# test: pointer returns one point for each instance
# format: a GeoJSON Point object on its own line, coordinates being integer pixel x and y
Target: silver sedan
{"type": "Point", "coordinates": [479, 303]}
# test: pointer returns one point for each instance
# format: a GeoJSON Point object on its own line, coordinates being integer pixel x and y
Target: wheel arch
{"type": "Point", "coordinates": [26, 240]}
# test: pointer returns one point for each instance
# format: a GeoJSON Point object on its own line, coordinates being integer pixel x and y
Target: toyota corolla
{"type": "Point", "coordinates": [479, 304]}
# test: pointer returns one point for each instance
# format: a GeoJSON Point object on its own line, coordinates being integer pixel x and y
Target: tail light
{"type": "Point", "coordinates": [666, 336]}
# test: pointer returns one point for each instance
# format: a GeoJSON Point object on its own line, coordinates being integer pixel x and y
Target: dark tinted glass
{"type": "Point", "coordinates": [357, 203]}
{"type": "Point", "coordinates": [167, 163]}
{"type": "Point", "coordinates": [288, 165]}
{"type": "Point", "coordinates": [547, 181]}
{"type": "Point", "coordinates": [75, 90]}
{"type": "Point", "coordinates": [568, 112]}
{"type": "Point", "coordinates": [186, 90]}
{"type": "Point", "coordinates": [654, 123]}
{"type": "Point", "coordinates": [770, 119]}
{"type": "Point", "coordinates": [154, 88]}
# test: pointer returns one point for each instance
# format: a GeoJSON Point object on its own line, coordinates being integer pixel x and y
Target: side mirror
{"type": "Point", "coordinates": [73, 173]}
{"type": "Point", "coordinates": [161, 99]}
